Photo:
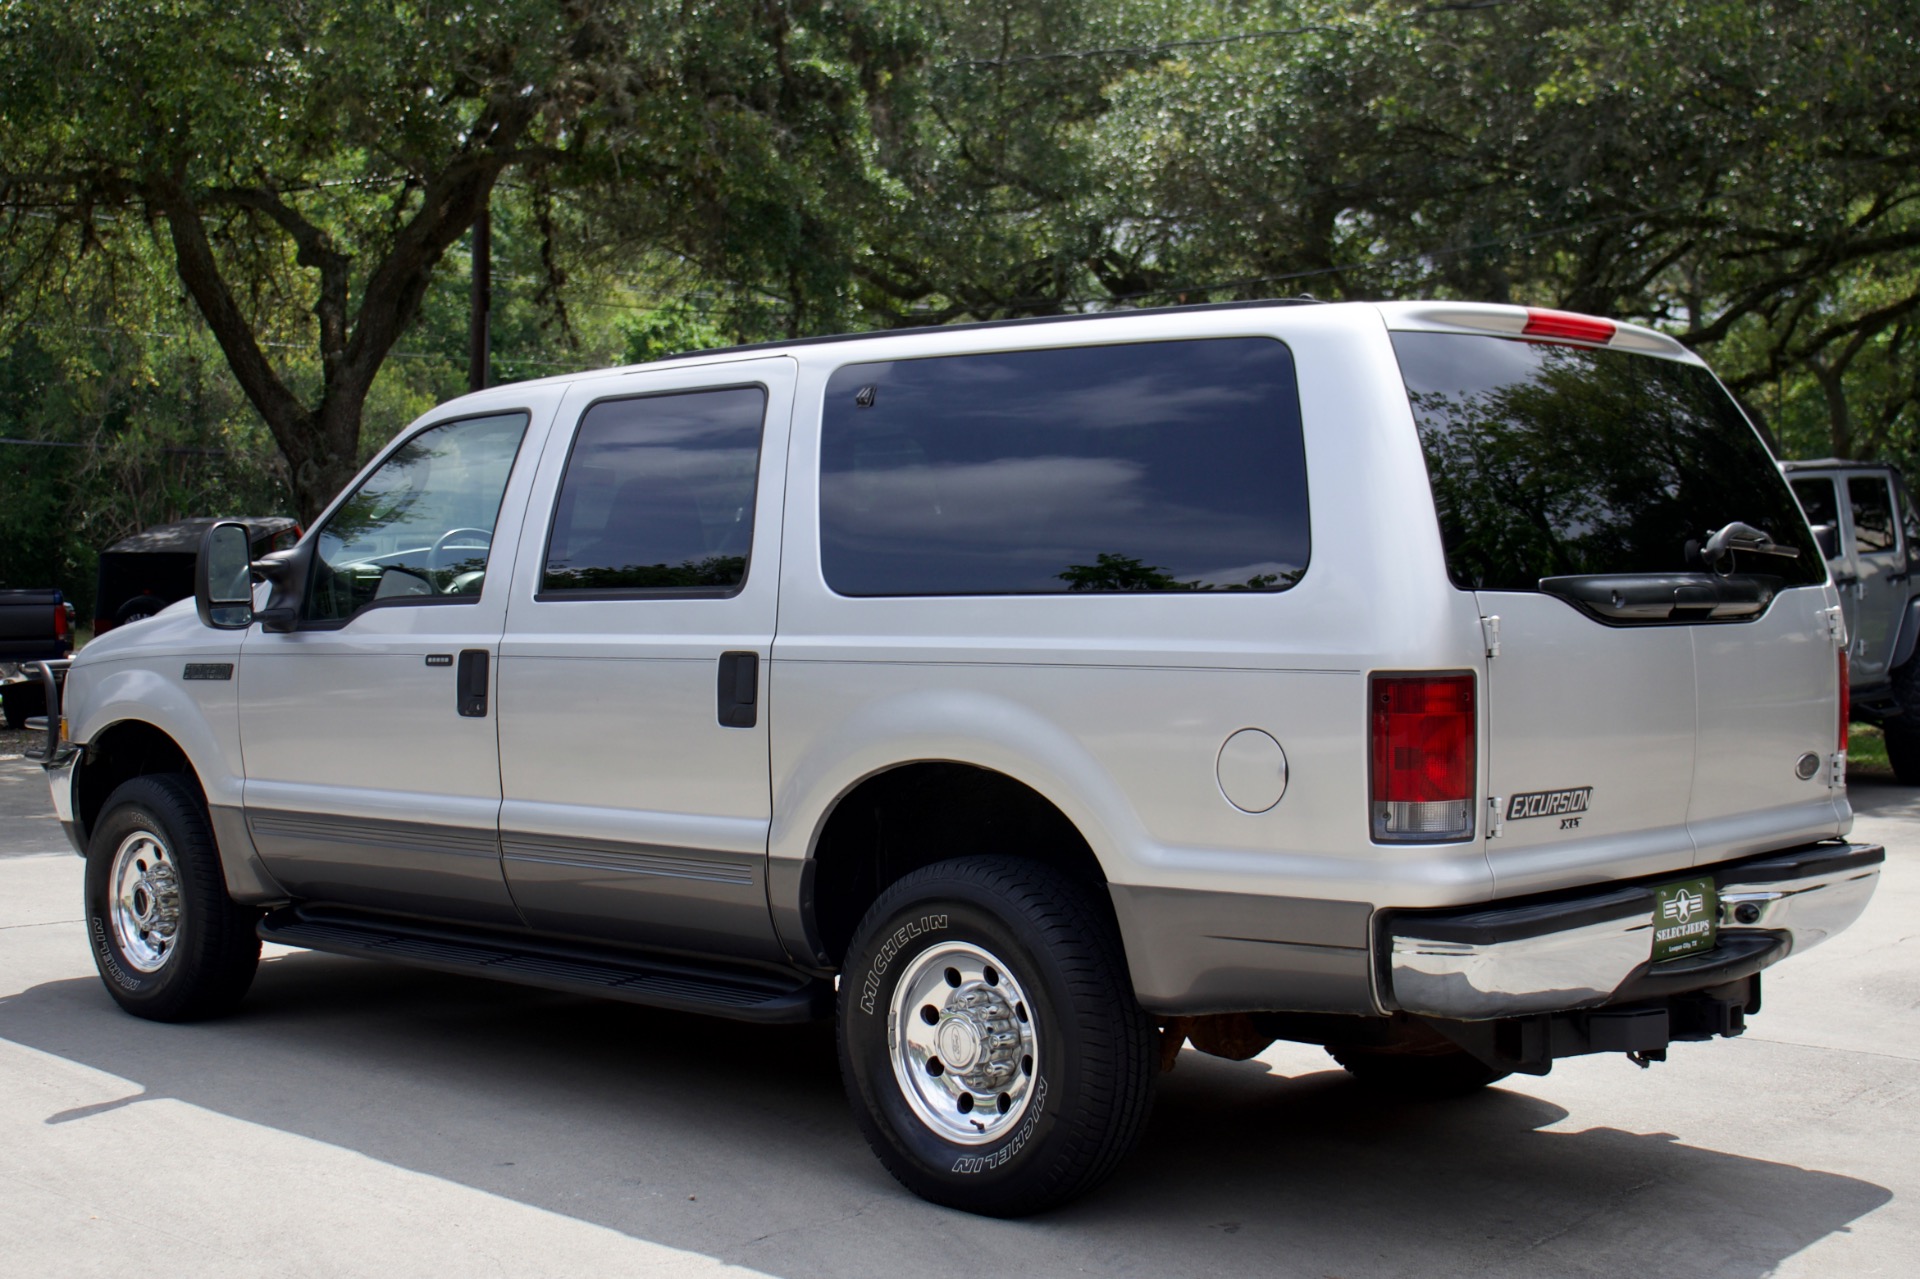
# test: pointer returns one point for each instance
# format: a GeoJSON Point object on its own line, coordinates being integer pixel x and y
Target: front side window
{"type": "Point", "coordinates": [1816, 499]}
{"type": "Point", "coordinates": [658, 497]}
{"type": "Point", "coordinates": [1872, 514]}
{"type": "Point", "coordinates": [1154, 466]}
{"type": "Point", "coordinates": [420, 528]}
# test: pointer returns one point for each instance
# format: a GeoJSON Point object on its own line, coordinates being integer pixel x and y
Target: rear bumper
{"type": "Point", "coordinates": [1581, 950]}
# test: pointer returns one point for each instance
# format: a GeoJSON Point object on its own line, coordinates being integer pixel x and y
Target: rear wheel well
{"type": "Point", "coordinates": [896, 822]}
{"type": "Point", "coordinates": [121, 753]}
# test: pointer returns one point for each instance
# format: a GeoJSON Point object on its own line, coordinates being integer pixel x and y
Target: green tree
{"type": "Point", "coordinates": [307, 167]}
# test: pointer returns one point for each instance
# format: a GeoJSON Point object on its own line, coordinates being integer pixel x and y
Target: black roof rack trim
{"type": "Point", "coordinates": [1018, 322]}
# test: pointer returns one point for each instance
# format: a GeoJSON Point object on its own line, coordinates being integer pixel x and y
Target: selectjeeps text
{"type": "Point", "coordinates": [1459, 687]}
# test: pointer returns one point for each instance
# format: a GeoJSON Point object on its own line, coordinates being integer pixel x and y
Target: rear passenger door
{"type": "Point", "coordinates": [633, 729]}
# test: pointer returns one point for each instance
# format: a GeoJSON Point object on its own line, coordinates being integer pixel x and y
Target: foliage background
{"type": "Point", "coordinates": [1741, 173]}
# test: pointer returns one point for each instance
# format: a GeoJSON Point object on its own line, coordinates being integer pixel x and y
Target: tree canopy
{"type": "Point", "coordinates": [269, 201]}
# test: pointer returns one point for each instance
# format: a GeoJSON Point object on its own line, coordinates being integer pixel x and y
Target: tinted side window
{"type": "Point", "coordinates": [1549, 460]}
{"type": "Point", "coordinates": [1816, 499]}
{"type": "Point", "coordinates": [420, 528]}
{"type": "Point", "coordinates": [1872, 514]}
{"type": "Point", "coordinates": [1164, 466]}
{"type": "Point", "coordinates": [658, 496]}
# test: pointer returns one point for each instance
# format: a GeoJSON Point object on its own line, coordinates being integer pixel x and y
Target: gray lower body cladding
{"type": "Point", "coordinates": [1194, 953]}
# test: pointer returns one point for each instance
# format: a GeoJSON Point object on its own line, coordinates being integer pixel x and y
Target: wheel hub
{"type": "Point", "coordinates": [145, 906]}
{"type": "Point", "coordinates": [962, 1043]}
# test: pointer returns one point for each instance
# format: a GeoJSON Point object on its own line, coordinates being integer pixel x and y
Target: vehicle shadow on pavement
{"type": "Point", "coordinates": [1873, 796]}
{"type": "Point", "coordinates": [734, 1141]}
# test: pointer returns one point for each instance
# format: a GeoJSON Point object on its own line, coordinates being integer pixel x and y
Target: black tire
{"type": "Point", "coordinates": [207, 959]}
{"type": "Point", "coordinates": [138, 609]}
{"type": "Point", "coordinates": [1903, 752]}
{"type": "Point", "coordinates": [1902, 733]}
{"type": "Point", "coordinates": [1418, 1076]}
{"type": "Point", "coordinates": [1087, 1086]}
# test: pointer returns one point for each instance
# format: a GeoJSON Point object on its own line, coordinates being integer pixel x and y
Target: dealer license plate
{"type": "Point", "coordinates": [1685, 918]}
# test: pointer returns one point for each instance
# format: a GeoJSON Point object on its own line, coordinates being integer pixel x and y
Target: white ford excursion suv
{"type": "Point", "coordinates": [1458, 687]}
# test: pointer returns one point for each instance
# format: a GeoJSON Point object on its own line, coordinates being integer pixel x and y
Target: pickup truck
{"type": "Point", "coordinates": [35, 626]}
{"type": "Point", "coordinates": [1869, 531]}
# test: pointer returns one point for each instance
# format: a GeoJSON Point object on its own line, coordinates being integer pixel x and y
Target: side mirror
{"type": "Point", "coordinates": [1829, 539]}
{"type": "Point", "coordinates": [222, 582]}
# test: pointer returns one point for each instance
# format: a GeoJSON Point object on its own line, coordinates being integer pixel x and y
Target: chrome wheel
{"type": "Point", "coordinates": [144, 901]}
{"type": "Point", "coordinates": [962, 1042]}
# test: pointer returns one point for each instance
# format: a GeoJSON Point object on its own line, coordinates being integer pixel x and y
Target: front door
{"type": "Point", "coordinates": [373, 773]}
{"type": "Point", "coordinates": [633, 671]}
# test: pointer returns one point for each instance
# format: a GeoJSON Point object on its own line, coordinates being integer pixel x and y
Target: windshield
{"type": "Point", "coordinates": [1549, 460]}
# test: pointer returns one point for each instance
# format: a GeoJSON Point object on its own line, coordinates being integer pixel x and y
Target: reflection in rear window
{"type": "Point", "coordinates": [1162, 466]}
{"type": "Point", "coordinates": [1549, 460]}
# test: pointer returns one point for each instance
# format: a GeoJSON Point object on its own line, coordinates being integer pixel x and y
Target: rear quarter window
{"type": "Point", "coordinates": [1150, 467]}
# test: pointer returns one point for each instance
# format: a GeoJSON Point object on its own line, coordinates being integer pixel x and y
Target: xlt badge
{"type": "Point", "coordinates": [1549, 803]}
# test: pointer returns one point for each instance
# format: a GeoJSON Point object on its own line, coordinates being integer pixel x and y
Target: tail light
{"type": "Point", "coordinates": [1846, 699]}
{"type": "Point", "coordinates": [1421, 735]}
{"type": "Point", "coordinates": [59, 621]}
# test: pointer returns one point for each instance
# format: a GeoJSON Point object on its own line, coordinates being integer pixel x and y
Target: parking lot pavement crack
{"type": "Point", "coordinates": [812, 1225]}
{"type": "Point", "coordinates": [1830, 1048]}
{"type": "Point", "coordinates": [1614, 1204]}
{"type": "Point", "coordinates": [45, 923]}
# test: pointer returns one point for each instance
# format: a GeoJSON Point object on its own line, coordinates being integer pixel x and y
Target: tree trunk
{"type": "Point", "coordinates": [1839, 420]}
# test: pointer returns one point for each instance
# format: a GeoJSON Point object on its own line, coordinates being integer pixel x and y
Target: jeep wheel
{"type": "Point", "coordinates": [1902, 732]}
{"type": "Point", "coordinates": [1418, 1076]}
{"type": "Point", "coordinates": [989, 1038]}
{"type": "Point", "coordinates": [168, 941]}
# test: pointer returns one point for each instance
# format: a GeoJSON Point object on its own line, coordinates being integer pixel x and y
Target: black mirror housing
{"type": "Point", "coordinates": [1828, 538]}
{"type": "Point", "coordinates": [222, 577]}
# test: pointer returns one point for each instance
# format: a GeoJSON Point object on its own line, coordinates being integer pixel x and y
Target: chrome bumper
{"type": "Point", "coordinates": [1507, 961]}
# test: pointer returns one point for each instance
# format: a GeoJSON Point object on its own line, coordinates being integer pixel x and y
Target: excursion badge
{"type": "Point", "coordinates": [1549, 803]}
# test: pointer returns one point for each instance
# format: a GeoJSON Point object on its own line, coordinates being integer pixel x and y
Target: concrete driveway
{"type": "Point", "coordinates": [362, 1119]}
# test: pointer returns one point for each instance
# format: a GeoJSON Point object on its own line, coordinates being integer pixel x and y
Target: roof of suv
{"type": "Point", "coordinates": [1017, 322]}
{"type": "Point", "coordinates": [1832, 464]}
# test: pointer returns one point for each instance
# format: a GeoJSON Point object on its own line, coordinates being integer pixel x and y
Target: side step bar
{"type": "Point", "coordinates": [756, 995]}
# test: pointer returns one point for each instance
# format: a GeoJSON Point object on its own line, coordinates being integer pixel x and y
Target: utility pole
{"type": "Point", "coordinates": [479, 321]}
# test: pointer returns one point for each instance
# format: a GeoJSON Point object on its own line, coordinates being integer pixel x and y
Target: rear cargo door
{"type": "Point", "coordinates": [1578, 491]}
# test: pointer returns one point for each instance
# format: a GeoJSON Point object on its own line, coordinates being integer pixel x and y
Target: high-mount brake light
{"type": "Point", "coordinates": [1422, 747]}
{"type": "Point", "coordinates": [1565, 325]}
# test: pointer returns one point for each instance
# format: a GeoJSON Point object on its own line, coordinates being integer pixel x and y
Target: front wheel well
{"type": "Point", "coordinates": [898, 821]}
{"type": "Point", "coordinates": [120, 753]}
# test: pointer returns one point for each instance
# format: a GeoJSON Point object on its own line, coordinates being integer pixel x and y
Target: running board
{"type": "Point", "coordinates": [757, 995]}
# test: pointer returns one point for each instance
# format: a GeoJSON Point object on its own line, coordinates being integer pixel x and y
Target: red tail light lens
{"type": "Point", "coordinates": [60, 621]}
{"type": "Point", "coordinates": [1421, 734]}
{"type": "Point", "coordinates": [1565, 324]}
{"type": "Point", "coordinates": [1846, 698]}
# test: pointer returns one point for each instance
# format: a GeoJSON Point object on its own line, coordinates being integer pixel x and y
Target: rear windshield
{"type": "Point", "coordinates": [1550, 460]}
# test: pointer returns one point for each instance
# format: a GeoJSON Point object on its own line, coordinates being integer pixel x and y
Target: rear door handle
{"type": "Point", "coordinates": [470, 686]}
{"type": "Point", "coordinates": [739, 690]}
